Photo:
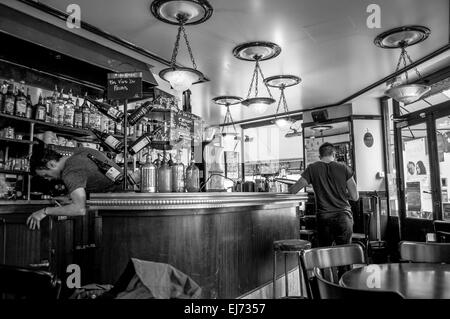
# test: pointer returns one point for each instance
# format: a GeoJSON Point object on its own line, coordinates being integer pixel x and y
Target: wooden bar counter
{"type": "Point", "coordinates": [223, 241]}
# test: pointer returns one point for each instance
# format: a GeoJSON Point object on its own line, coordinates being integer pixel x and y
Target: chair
{"type": "Point", "coordinates": [27, 283]}
{"type": "Point", "coordinates": [285, 247]}
{"type": "Point", "coordinates": [364, 238]}
{"type": "Point", "coordinates": [442, 231]}
{"type": "Point", "coordinates": [326, 259]}
{"type": "Point", "coordinates": [424, 252]}
{"type": "Point", "coordinates": [329, 290]}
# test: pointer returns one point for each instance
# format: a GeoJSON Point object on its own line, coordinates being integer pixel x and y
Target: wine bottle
{"type": "Point", "coordinates": [140, 143]}
{"type": "Point", "coordinates": [114, 174]}
{"type": "Point", "coordinates": [40, 110]}
{"type": "Point", "coordinates": [29, 110]}
{"type": "Point", "coordinates": [107, 109]}
{"type": "Point", "coordinates": [108, 140]}
{"type": "Point", "coordinates": [140, 112]}
{"type": "Point", "coordinates": [85, 109]}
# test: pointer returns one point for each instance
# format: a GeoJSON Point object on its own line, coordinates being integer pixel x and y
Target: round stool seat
{"type": "Point", "coordinates": [291, 245]}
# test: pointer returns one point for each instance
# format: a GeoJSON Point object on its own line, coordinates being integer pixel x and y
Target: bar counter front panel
{"type": "Point", "coordinates": [223, 241]}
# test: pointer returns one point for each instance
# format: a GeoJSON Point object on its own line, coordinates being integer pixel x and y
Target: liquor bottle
{"type": "Point", "coordinates": [111, 127]}
{"type": "Point", "coordinates": [3, 90]}
{"type": "Point", "coordinates": [192, 177]}
{"type": "Point", "coordinates": [60, 107]}
{"type": "Point", "coordinates": [10, 99]}
{"type": "Point", "coordinates": [178, 175]}
{"type": "Point", "coordinates": [21, 101]}
{"type": "Point", "coordinates": [164, 177]}
{"type": "Point", "coordinates": [54, 106]}
{"type": "Point", "coordinates": [78, 115]}
{"type": "Point", "coordinates": [108, 140]}
{"type": "Point", "coordinates": [140, 143]}
{"type": "Point", "coordinates": [29, 110]}
{"type": "Point", "coordinates": [69, 111]}
{"type": "Point", "coordinates": [148, 176]}
{"type": "Point", "coordinates": [170, 162]}
{"type": "Point", "coordinates": [114, 174]}
{"type": "Point", "coordinates": [104, 123]}
{"type": "Point", "coordinates": [40, 111]}
{"type": "Point", "coordinates": [140, 112]}
{"type": "Point", "coordinates": [48, 109]}
{"type": "Point", "coordinates": [107, 109]}
{"type": "Point", "coordinates": [86, 112]}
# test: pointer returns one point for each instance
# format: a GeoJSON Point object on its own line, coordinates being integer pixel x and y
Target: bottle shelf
{"type": "Point", "coordinates": [8, 171]}
{"type": "Point", "coordinates": [10, 140]}
{"type": "Point", "coordinates": [44, 126]}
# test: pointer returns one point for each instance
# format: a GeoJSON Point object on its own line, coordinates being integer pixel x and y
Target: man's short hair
{"type": "Point", "coordinates": [41, 156]}
{"type": "Point", "coordinates": [326, 149]}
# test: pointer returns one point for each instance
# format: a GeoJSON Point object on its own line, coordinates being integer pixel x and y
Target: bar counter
{"type": "Point", "coordinates": [223, 241]}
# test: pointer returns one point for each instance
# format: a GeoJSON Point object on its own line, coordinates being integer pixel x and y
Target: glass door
{"type": "Point", "coordinates": [443, 148]}
{"type": "Point", "coordinates": [417, 172]}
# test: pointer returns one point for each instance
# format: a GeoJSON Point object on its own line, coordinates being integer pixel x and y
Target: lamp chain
{"type": "Point", "coordinates": [403, 55]}
{"type": "Point", "coordinates": [255, 77]}
{"type": "Point", "coordinates": [182, 30]}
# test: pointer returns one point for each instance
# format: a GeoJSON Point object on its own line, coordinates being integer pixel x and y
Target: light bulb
{"type": "Point", "coordinates": [260, 108]}
{"type": "Point", "coordinates": [282, 123]}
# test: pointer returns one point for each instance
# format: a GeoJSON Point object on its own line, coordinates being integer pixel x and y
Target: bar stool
{"type": "Point", "coordinates": [289, 246]}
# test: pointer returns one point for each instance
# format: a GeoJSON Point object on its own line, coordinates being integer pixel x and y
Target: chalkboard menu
{"type": "Point", "coordinates": [125, 85]}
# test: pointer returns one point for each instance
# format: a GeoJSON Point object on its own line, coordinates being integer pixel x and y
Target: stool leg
{"type": "Point", "coordinates": [300, 274]}
{"type": "Point", "coordinates": [286, 275]}
{"type": "Point", "coordinates": [274, 288]}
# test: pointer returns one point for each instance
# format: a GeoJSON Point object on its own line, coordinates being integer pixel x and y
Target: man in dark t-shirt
{"type": "Point", "coordinates": [79, 174]}
{"type": "Point", "coordinates": [333, 185]}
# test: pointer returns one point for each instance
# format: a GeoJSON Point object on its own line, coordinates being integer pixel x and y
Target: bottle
{"type": "Point", "coordinates": [54, 106]}
{"type": "Point", "coordinates": [164, 177]}
{"type": "Point", "coordinates": [78, 115]}
{"type": "Point", "coordinates": [104, 123]}
{"type": "Point", "coordinates": [86, 112]}
{"type": "Point", "coordinates": [10, 98]}
{"type": "Point", "coordinates": [114, 174]}
{"type": "Point", "coordinates": [140, 143]}
{"type": "Point", "coordinates": [29, 110]}
{"type": "Point", "coordinates": [192, 177]}
{"type": "Point", "coordinates": [148, 176]}
{"type": "Point", "coordinates": [157, 161]}
{"type": "Point", "coordinates": [107, 109]}
{"type": "Point", "coordinates": [48, 109]}
{"type": "Point", "coordinates": [21, 101]}
{"type": "Point", "coordinates": [3, 91]}
{"type": "Point", "coordinates": [60, 108]}
{"type": "Point", "coordinates": [140, 112]}
{"type": "Point", "coordinates": [108, 140]}
{"type": "Point", "coordinates": [170, 162]}
{"type": "Point", "coordinates": [40, 110]}
{"type": "Point", "coordinates": [178, 176]}
{"type": "Point", "coordinates": [69, 111]}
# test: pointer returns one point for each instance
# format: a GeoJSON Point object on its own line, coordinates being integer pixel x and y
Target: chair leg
{"type": "Point", "coordinates": [286, 275]}
{"type": "Point", "coordinates": [274, 288]}
{"type": "Point", "coordinates": [300, 273]}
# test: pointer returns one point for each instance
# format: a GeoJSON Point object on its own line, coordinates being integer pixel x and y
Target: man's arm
{"type": "Point", "coordinates": [301, 183]}
{"type": "Point", "coordinates": [76, 208]}
{"type": "Point", "coordinates": [352, 189]}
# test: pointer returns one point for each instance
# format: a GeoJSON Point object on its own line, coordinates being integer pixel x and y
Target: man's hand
{"type": "Point", "coordinates": [34, 220]}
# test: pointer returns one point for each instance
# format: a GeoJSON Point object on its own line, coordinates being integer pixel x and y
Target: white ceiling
{"type": "Point", "coordinates": [325, 42]}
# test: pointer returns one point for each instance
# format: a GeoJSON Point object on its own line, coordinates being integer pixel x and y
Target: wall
{"type": "Point", "coordinates": [369, 161]}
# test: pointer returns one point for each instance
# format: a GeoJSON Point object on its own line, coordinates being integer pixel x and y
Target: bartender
{"type": "Point", "coordinates": [79, 174]}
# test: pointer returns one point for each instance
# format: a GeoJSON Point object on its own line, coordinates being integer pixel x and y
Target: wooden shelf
{"type": "Point", "coordinates": [7, 171]}
{"type": "Point", "coordinates": [10, 140]}
{"type": "Point", "coordinates": [43, 126]}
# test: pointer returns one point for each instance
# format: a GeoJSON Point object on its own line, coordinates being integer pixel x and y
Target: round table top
{"type": "Point", "coordinates": [412, 280]}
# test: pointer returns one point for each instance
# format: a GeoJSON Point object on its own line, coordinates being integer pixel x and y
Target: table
{"type": "Point", "coordinates": [412, 280]}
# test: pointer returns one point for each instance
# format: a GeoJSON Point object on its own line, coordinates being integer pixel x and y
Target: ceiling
{"type": "Point", "coordinates": [325, 42]}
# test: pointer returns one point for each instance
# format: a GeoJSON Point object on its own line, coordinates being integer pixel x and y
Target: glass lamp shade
{"type": "Point", "coordinates": [283, 123]}
{"type": "Point", "coordinates": [408, 93]}
{"type": "Point", "coordinates": [259, 104]}
{"type": "Point", "coordinates": [181, 79]}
